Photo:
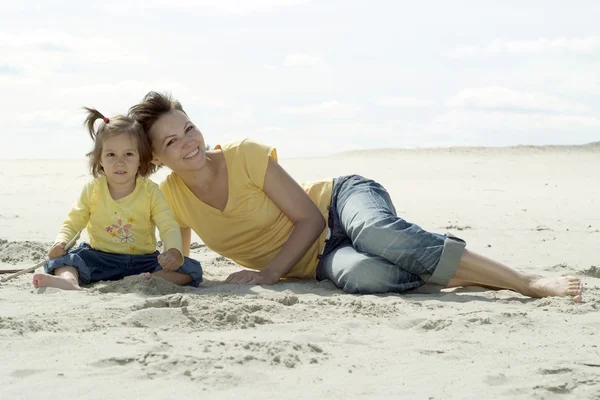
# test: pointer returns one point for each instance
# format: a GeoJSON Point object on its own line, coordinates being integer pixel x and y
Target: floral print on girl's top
{"type": "Point", "coordinates": [121, 231]}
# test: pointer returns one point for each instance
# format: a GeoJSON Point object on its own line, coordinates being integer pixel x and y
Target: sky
{"type": "Point", "coordinates": [311, 78]}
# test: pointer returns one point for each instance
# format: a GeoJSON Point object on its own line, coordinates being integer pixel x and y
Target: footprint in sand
{"type": "Point", "coordinates": [554, 371]}
{"type": "Point", "coordinates": [423, 324]}
{"type": "Point", "coordinates": [172, 301]}
{"type": "Point", "coordinates": [592, 271]}
{"type": "Point", "coordinates": [22, 373]}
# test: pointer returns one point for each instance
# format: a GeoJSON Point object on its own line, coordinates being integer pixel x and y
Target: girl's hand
{"type": "Point", "coordinates": [170, 260]}
{"type": "Point", "coordinates": [57, 250]}
{"type": "Point", "coordinates": [247, 277]}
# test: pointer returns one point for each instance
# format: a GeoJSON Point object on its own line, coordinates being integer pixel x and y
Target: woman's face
{"type": "Point", "coordinates": [177, 143]}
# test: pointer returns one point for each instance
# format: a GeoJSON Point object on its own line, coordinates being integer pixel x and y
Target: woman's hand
{"type": "Point", "coordinates": [57, 250]}
{"type": "Point", "coordinates": [246, 277]}
{"type": "Point", "coordinates": [170, 260]}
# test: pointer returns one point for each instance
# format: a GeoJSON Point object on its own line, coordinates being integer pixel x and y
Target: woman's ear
{"type": "Point", "coordinates": [156, 162]}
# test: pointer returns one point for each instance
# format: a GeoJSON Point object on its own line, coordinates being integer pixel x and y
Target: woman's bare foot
{"type": "Point", "coordinates": [475, 269]}
{"type": "Point", "coordinates": [561, 286]}
{"type": "Point", "coordinates": [45, 280]}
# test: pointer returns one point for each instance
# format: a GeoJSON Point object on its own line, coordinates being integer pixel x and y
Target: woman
{"type": "Point", "coordinates": [245, 207]}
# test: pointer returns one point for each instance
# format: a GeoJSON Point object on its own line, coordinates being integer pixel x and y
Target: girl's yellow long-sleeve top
{"type": "Point", "coordinates": [124, 226]}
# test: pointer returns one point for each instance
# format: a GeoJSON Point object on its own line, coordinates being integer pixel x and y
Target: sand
{"type": "Point", "coordinates": [534, 208]}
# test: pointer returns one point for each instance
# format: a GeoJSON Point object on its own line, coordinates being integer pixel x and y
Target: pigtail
{"type": "Point", "coordinates": [92, 116]}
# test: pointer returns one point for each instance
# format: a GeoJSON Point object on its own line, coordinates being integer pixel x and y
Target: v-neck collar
{"type": "Point", "coordinates": [208, 207]}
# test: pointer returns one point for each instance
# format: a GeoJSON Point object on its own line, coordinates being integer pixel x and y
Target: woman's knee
{"type": "Point", "coordinates": [366, 277]}
{"type": "Point", "coordinates": [356, 272]}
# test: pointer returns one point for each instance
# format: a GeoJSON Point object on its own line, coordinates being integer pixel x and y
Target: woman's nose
{"type": "Point", "coordinates": [189, 141]}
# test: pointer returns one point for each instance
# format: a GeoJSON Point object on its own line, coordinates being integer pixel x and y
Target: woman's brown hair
{"type": "Point", "coordinates": [110, 127]}
{"type": "Point", "coordinates": [153, 106]}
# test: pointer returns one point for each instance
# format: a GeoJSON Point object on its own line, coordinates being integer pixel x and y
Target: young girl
{"type": "Point", "coordinates": [120, 209]}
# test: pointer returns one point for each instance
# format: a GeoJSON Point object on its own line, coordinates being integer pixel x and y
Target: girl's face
{"type": "Point", "coordinates": [120, 159]}
{"type": "Point", "coordinates": [177, 143]}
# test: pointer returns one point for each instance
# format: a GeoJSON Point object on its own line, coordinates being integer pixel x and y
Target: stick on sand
{"type": "Point", "coordinates": [31, 269]}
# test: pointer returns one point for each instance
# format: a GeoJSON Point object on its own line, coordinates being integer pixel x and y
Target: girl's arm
{"type": "Point", "coordinates": [308, 222]}
{"type": "Point", "coordinates": [76, 221]}
{"type": "Point", "coordinates": [186, 236]}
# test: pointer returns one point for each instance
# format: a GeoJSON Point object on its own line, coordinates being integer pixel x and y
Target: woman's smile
{"type": "Point", "coordinates": [192, 154]}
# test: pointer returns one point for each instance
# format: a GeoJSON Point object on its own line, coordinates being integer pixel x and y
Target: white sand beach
{"type": "Point", "coordinates": [534, 208]}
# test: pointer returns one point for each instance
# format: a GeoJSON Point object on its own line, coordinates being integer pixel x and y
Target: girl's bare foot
{"type": "Point", "coordinates": [45, 280]}
{"type": "Point", "coordinates": [561, 286]}
{"type": "Point", "coordinates": [146, 275]}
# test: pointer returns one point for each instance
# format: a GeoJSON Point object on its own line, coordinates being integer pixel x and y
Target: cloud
{"type": "Point", "coordinates": [241, 114]}
{"type": "Point", "coordinates": [307, 61]}
{"type": "Point", "coordinates": [584, 45]}
{"type": "Point", "coordinates": [569, 121]}
{"type": "Point", "coordinates": [302, 60]}
{"type": "Point", "coordinates": [138, 88]}
{"type": "Point", "coordinates": [9, 70]}
{"type": "Point", "coordinates": [330, 109]}
{"type": "Point", "coordinates": [391, 101]}
{"type": "Point", "coordinates": [35, 103]}
{"type": "Point", "coordinates": [42, 39]}
{"type": "Point", "coordinates": [500, 98]}
{"type": "Point", "coordinates": [269, 129]}
{"type": "Point", "coordinates": [515, 121]}
{"type": "Point", "coordinates": [41, 52]}
{"type": "Point", "coordinates": [464, 51]}
{"type": "Point", "coordinates": [40, 117]}
{"type": "Point", "coordinates": [578, 45]}
{"type": "Point", "coordinates": [476, 127]}
{"type": "Point", "coordinates": [206, 6]}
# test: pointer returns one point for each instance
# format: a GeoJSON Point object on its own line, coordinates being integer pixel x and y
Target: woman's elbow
{"type": "Point", "coordinates": [319, 223]}
{"type": "Point", "coordinates": [312, 222]}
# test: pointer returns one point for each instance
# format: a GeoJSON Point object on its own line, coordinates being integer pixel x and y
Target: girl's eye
{"type": "Point", "coordinates": [170, 142]}
{"type": "Point", "coordinates": [129, 154]}
{"type": "Point", "coordinates": [110, 154]}
{"type": "Point", "coordinates": [189, 128]}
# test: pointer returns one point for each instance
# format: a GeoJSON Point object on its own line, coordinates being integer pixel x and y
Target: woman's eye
{"type": "Point", "coordinates": [170, 142]}
{"type": "Point", "coordinates": [110, 155]}
{"type": "Point", "coordinates": [130, 154]}
{"type": "Point", "coordinates": [189, 128]}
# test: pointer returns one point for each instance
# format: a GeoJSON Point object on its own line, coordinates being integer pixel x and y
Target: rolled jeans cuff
{"type": "Point", "coordinates": [449, 260]}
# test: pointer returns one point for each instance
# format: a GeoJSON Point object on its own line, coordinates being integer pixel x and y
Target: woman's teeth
{"type": "Point", "coordinates": [192, 154]}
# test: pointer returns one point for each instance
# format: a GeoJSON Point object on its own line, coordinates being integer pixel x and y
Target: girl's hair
{"type": "Point", "coordinates": [153, 106]}
{"type": "Point", "coordinates": [111, 127]}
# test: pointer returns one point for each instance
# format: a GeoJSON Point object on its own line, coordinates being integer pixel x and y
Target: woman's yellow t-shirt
{"type": "Point", "coordinates": [251, 229]}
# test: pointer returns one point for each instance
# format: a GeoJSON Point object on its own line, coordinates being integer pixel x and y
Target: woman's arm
{"type": "Point", "coordinates": [304, 214]}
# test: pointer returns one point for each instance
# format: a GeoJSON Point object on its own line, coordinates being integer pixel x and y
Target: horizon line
{"type": "Point", "coordinates": [590, 145]}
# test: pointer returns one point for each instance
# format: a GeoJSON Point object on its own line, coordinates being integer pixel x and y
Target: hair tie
{"type": "Point", "coordinates": [106, 120]}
